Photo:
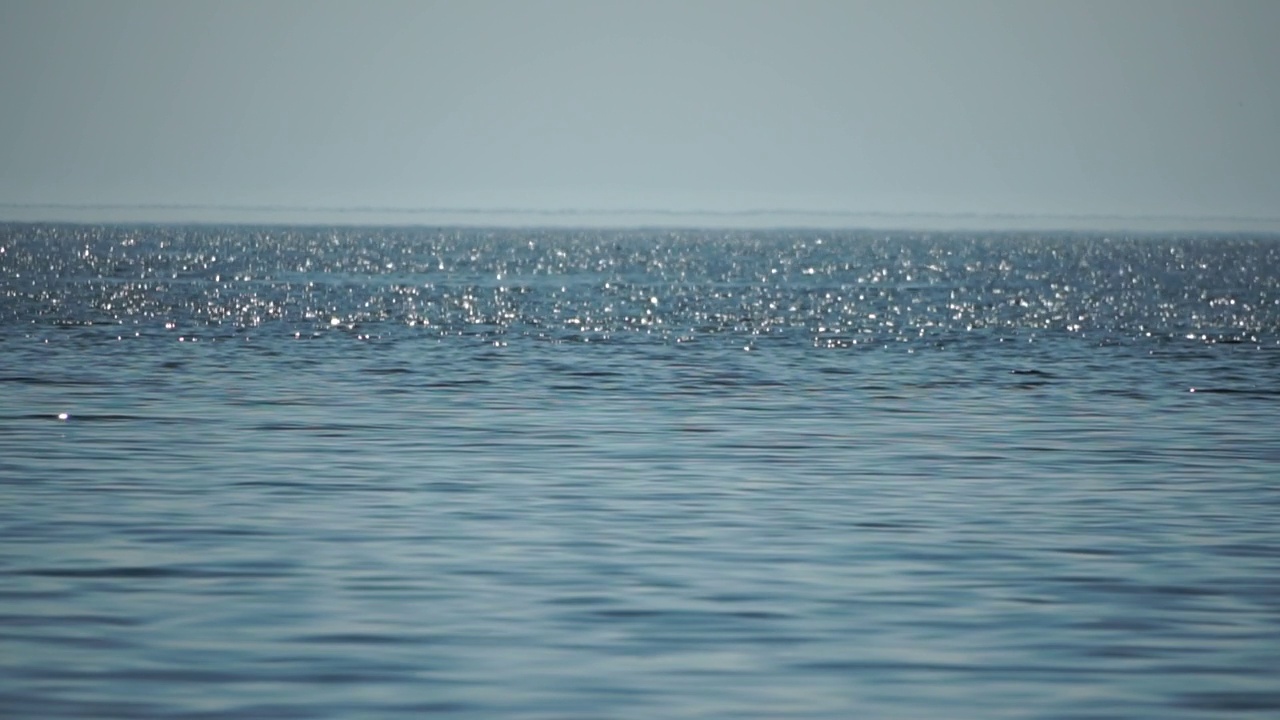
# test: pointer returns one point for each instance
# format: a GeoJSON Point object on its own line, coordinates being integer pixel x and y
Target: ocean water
{"type": "Point", "coordinates": [287, 472]}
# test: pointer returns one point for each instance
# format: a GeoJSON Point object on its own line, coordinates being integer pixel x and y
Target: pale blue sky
{"type": "Point", "coordinates": [1132, 108]}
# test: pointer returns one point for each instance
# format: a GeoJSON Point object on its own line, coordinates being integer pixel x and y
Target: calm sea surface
{"type": "Point", "coordinates": [382, 473]}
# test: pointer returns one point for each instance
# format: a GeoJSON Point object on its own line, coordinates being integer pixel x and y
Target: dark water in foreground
{"type": "Point", "coordinates": [309, 473]}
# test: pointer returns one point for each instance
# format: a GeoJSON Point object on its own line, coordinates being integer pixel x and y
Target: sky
{"type": "Point", "coordinates": [1072, 108]}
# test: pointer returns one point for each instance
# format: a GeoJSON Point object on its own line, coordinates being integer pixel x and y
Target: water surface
{"type": "Point", "coordinates": [388, 473]}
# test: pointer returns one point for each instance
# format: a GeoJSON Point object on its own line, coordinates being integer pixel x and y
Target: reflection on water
{"type": "Point", "coordinates": [368, 473]}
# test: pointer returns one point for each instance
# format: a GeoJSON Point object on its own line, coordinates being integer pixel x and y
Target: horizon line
{"type": "Point", "coordinates": [625, 218]}
{"type": "Point", "coordinates": [552, 211]}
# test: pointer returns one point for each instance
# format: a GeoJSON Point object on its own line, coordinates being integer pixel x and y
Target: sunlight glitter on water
{"type": "Point", "coordinates": [855, 474]}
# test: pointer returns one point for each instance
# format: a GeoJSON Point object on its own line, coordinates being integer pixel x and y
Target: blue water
{"type": "Point", "coordinates": [390, 473]}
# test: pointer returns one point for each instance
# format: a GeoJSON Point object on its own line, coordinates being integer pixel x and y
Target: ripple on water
{"type": "Point", "coordinates": [954, 474]}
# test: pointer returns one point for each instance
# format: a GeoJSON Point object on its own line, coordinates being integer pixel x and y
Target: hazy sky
{"type": "Point", "coordinates": [1141, 107]}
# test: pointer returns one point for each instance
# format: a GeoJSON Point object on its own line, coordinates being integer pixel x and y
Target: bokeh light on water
{"type": "Point", "coordinates": [284, 472]}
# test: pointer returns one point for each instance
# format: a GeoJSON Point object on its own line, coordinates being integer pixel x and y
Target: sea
{"type": "Point", "coordinates": [282, 471]}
